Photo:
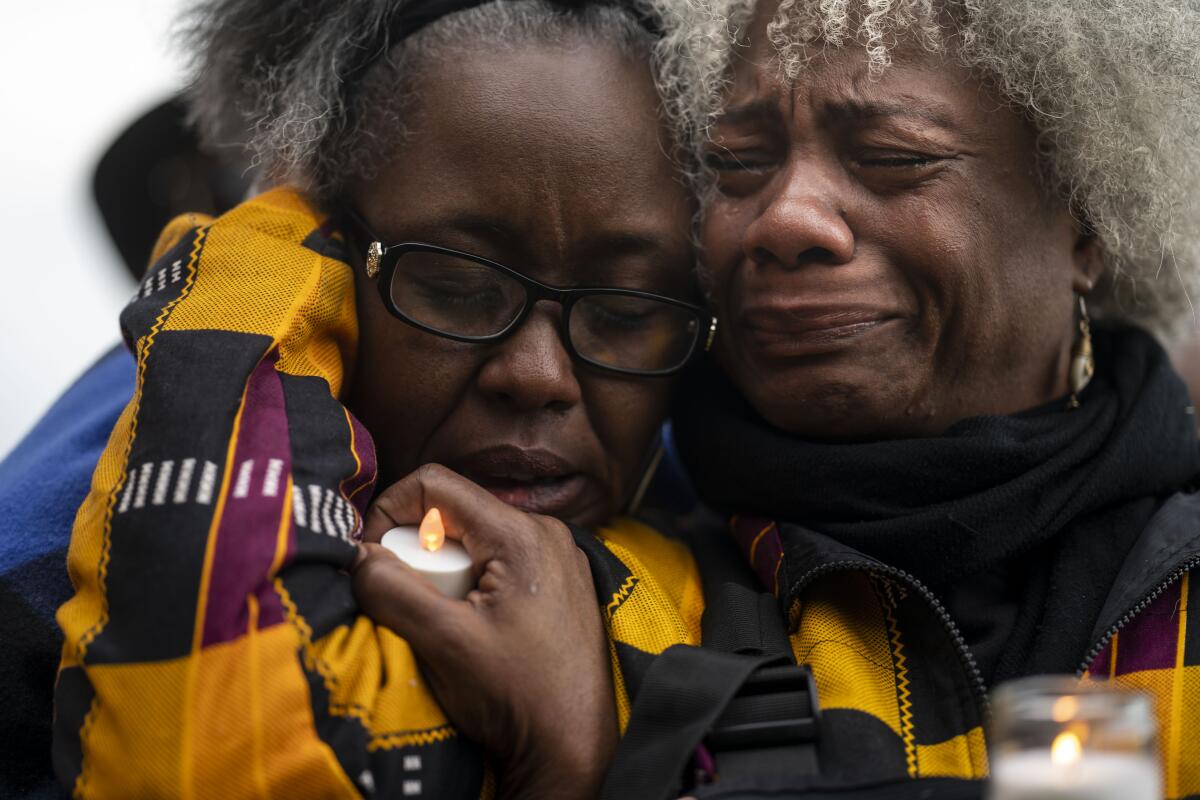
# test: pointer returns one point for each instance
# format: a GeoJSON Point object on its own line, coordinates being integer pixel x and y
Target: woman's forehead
{"type": "Point", "coordinates": [590, 86]}
{"type": "Point", "coordinates": [555, 148]}
{"type": "Point", "coordinates": [843, 86]}
{"type": "Point", "coordinates": [531, 120]}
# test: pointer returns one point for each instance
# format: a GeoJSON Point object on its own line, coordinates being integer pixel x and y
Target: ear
{"type": "Point", "coordinates": [1087, 258]}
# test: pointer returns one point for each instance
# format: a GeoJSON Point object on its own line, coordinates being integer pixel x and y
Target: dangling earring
{"type": "Point", "coordinates": [651, 467]}
{"type": "Point", "coordinates": [1083, 364]}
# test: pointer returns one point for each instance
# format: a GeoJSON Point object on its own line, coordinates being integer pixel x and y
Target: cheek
{"type": "Point", "coordinates": [405, 385]}
{"type": "Point", "coordinates": [725, 223]}
{"type": "Point", "coordinates": [984, 273]}
{"type": "Point", "coordinates": [626, 415]}
{"type": "Point", "coordinates": [940, 263]}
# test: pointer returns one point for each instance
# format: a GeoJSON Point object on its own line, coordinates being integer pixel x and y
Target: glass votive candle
{"type": "Point", "coordinates": [1054, 738]}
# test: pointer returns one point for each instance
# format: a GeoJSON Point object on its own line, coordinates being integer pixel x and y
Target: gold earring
{"type": "Point", "coordinates": [1083, 363]}
{"type": "Point", "coordinates": [374, 256]}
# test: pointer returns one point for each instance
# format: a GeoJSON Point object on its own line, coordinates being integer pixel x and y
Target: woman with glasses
{"type": "Point", "coordinates": [471, 290]}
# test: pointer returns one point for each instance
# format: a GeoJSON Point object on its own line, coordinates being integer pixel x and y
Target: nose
{"type": "Point", "coordinates": [531, 370]}
{"type": "Point", "coordinates": [802, 223]}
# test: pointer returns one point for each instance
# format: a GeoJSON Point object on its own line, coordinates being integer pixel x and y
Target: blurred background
{"type": "Point", "coordinates": [76, 74]}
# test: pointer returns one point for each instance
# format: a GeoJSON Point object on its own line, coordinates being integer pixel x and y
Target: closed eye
{"type": "Point", "coordinates": [897, 162]}
{"type": "Point", "coordinates": [740, 173]}
{"type": "Point", "coordinates": [901, 161]}
{"type": "Point", "coordinates": [727, 161]}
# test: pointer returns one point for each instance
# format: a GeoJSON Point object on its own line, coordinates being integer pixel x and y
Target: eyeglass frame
{"type": "Point", "coordinates": [535, 291]}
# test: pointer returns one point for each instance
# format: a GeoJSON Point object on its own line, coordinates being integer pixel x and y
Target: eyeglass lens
{"type": "Point", "coordinates": [461, 297]}
{"type": "Point", "coordinates": [455, 295]}
{"type": "Point", "coordinates": [635, 333]}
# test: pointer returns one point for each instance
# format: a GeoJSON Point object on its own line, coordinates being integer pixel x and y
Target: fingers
{"type": "Point", "coordinates": [471, 514]}
{"type": "Point", "coordinates": [399, 598]}
{"type": "Point", "coordinates": [405, 502]}
{"type": "Point", "coordinates": [526, 548]}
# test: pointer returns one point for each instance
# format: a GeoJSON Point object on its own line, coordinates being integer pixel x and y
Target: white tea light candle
{"type": "Point", "coordinates": [444, 562]}
{"type": "Point", "coordinates": [1054, 738]}
{"type": "Point", "coordinates": [1045, 775]}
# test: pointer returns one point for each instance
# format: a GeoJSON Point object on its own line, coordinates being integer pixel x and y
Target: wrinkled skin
{"type": "Point", "coordinates": [882, 254]}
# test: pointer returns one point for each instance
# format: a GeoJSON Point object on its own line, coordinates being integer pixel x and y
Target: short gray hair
{"type": "Point", "coordinates": [1111, 86]}
{"type": "Point", "coordinates": [276, 80]}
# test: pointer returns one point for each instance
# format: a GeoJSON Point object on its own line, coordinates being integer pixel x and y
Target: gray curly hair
{"type": "Point", "coordinates": [1111, 86]}
{"type": "Point", "coordinates": [276, 79]}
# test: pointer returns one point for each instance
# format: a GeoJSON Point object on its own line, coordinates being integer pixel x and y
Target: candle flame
{"type": "Point", "coordinates": [1066, 749]}
{"type": "Point", "coordinates": [432, 531]}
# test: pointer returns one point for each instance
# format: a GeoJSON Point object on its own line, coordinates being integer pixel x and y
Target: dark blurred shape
{"type": "Point", "coordinates": [156, 170]}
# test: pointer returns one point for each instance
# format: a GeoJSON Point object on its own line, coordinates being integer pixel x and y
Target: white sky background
{"type": "Point", "coordinates": [73, 73]}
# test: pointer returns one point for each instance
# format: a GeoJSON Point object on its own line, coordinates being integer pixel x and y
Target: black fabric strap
{"type": "Point", "coordinates": [769, 728]}
{"type": "Point", "coordinates": [776, 713]}
{"type": "Point", "coordinates": [739, 617]}
{"type": "Point", "coordinates": [683, 693]}
{"type": "Point", "coordinates": [741, 694]}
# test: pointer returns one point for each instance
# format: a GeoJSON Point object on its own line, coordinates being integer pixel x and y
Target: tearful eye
{"type": "Point", "coordinates": [888, 158]}
{"type": "Point", "coordinates": [740, 173]}
{"type": "Point", "coordinates": [900, 161]}
{"type": "Point", "coordinates": [891, 171]}
{"type": "Point", "coordinates": [727, 161]}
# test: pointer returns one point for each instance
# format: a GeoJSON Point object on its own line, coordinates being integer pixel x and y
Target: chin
{"type": "Point", "coordinates": [834, 410]}
{"type": "Point", "coordinates": [819, 423]}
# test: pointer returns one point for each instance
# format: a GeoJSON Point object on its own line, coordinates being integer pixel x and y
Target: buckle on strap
{"type": "Point", "coordinates": [776, 706]}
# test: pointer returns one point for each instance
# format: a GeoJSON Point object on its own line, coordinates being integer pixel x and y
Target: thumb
{"type": "Point", "coordinates": [472, 514]}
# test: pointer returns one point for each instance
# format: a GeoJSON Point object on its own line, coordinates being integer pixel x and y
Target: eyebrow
{"type": "Point", "coordinates": [752, 110]}
{"type": "Point", "coordinates": [609, 244]}
{"type": "Point", "coordinates": [595, 247]}
{"type": "Point", "coordinates": [605, 258]}
{"type": "Point", "coordinates": [628, 243]}
{"type": "Point", "coordinates": [860, 110]}
{"type": "Point", "coordinates": [485, 226]}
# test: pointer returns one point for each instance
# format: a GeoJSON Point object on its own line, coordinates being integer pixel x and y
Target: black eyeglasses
{"type": "Point", "coordinates": [468, 298]}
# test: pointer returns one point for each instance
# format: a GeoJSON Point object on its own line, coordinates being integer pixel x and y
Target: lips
{"type": "Point", "coordinates": [532, 480]}
{"type": "Point", "coordinates": [791, 331]}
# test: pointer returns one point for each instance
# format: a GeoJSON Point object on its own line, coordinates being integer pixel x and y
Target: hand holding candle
{"type": "Point", "coordinates": [522, 666]}
{"type": "Point", "coordinates": [443, 562]}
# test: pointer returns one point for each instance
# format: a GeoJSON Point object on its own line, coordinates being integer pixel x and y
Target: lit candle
{"type": "Point", "coordinates": [444, 562]}
{"type": "Point", "coordinates": [1067, 772]}
{"type": "Point", "coordinates": [1055, 739]}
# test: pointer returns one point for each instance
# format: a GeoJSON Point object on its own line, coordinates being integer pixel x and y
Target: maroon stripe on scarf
{"type": "Point", "coordinates": [358, 487]}
{"type": "Point", "coordinates": [248, 532]}
{"type": "Point", "coordinates": [759, 539]}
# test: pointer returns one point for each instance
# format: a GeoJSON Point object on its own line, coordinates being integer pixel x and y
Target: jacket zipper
{"type": "Point", "coordinates": [964, 653]}
{"type": "Point", "coordinates": [1138, 608]}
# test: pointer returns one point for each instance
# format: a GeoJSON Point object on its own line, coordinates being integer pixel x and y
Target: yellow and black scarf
{"type": "Point", "coordinates": [213, 647]}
